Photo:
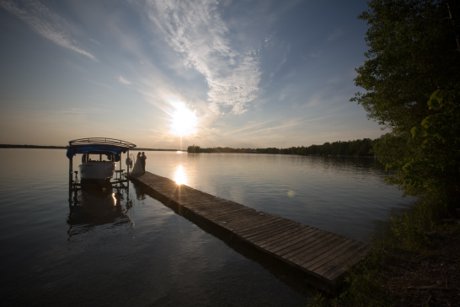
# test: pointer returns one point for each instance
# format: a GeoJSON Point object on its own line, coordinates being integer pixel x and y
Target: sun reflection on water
{"type": "Point", "coordinates": [180, 177]}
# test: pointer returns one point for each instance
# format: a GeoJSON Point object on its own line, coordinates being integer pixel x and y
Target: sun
{"type": "Point", "coordinates": [183, 120]}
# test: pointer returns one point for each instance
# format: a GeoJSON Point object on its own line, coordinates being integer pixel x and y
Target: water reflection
{"type": "Point", "coordinates": [97, 207]}
{"type": "Point", "coordinates": [165, 259]}
{"type": "Point", "coordinates": [180, 176]}
{"type": "Point", "coordinates": [342, 195]}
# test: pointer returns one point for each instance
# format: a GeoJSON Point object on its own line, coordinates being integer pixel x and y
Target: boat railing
{"type": "Point", "coordinates": [102, 141]}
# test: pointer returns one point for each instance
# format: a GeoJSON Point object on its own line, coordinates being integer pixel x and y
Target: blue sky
{"type": "Point", "coordinates": [249, 73]}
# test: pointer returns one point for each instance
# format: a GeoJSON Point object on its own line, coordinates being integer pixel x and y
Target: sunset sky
{"type": "Point", "coordinates": [212, 73]}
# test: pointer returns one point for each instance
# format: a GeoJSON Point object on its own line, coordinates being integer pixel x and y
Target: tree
{"type": "Point", "coordinates": [411, 79]}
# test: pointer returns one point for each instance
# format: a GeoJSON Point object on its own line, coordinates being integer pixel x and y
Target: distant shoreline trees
{"type": "Point", "coordinates": [32, 146]}
{"type": "Point", "coordinates": [361, 148]}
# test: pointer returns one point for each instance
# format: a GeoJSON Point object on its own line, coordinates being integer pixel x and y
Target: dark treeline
{"type": "Point", "coordinates": [154, 149]}
{"type": "Point", "coordinates": [31, 146]}
{"type": "Point", "coordinates": [64, 147]}
{"type": "Point", "coordinates": [362, 147]}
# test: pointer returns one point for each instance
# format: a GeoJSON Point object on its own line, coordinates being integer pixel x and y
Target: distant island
{"type": "Point", "coordinates": [357, 148]}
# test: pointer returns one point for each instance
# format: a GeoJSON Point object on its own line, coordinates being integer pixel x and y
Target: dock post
{"type": "Point", "coordinates": [70, 178]}
{"type": "Point", "coordinates": [127, 172]}
{"type": "Point", "coordinates": [127, 164]}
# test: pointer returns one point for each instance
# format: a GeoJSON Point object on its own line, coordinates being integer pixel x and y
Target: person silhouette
{"type": "Point", "coordinates": [137, 169]}
{"type": "Point", "coordinates": [143, 158]}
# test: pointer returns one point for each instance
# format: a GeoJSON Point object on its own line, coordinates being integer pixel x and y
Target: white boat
{"type": "Point", "coordinates": [98, 156]}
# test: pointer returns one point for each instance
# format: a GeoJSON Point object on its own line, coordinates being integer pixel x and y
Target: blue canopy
{"type": "Point", "coordinates": [98, 145]}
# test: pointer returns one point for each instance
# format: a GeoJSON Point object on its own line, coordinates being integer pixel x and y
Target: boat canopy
{"type": "Point", "coordinates": [98, 145]}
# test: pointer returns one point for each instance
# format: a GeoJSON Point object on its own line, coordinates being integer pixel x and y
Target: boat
{"type": "Point", "coordinates": [99, 156]}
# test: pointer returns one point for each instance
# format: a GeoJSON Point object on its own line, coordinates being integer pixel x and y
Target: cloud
{"type": "Point", "coordinates": [46, 23]}
{"type": "Point", "coordinates": [196, 30]}
{"type": "Point", "coordinates": [268, 127]}
{"type": "Point", "coordinates": [123, 80]}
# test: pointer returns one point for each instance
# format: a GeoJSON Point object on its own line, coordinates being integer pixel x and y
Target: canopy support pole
{"type": "Point", "coordinates": [70, 178]}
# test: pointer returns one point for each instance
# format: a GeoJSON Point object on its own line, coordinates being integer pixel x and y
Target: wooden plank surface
{"type": "Point", "coordinates": [318, 253]}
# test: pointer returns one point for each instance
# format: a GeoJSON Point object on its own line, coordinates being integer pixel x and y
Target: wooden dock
{"type": "Point", "coordinates": [324, 257]}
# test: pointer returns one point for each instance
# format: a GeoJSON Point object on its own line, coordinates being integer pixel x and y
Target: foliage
{"type": "Point", "coordinates": [411, 80]}
{"type": "Point", "coordinates": [410, 230]}
{"type": "Point", "coordinates": [406, 236]}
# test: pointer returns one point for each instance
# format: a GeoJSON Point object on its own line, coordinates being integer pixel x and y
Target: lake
{"type": "Point", "coordinates": [143, 254]}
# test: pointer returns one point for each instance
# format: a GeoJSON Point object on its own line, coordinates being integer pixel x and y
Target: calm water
{"type": "Point", "coordinates": [142, 254]}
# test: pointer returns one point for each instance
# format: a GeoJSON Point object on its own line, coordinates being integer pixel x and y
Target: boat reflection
{"type": "Point", "coordinates": [95, 207]}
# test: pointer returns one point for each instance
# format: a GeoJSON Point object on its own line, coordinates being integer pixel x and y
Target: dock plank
{"type": "Point", "coordinates": [343, 262]}
{"type": "Point", "coordinates": [262, 225]}
{"type": "Point", "coordinates": [280, 238]}
{"type": "Point", "coordinates": [274, 230]}
{"type": "Point", "coordinates": [297, 242]}
{"type": "Point", "coordinates": [323, 256]}
{"type": "Point", "coordinates": [309, 249]}
{"type": "Point", "coordinates": [320, 252]}
{"type": "Point", "coordinates": [327, 260]}
{"type": "Point", "coordinates": [331, 253]}
{"type": "Point", "coordinates": [249, 223]}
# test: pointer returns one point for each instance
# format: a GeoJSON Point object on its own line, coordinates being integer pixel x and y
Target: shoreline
{"type": "Point", "coordinates": [16, 146]}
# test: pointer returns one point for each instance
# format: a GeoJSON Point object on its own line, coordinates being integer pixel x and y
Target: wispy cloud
{"type": "Point", "coordinates": [123, 80]}
{"type": "Point", "coordinates": [46, 23]}
{"type": "Point", "coordinates": [196, 30]}
{"type": "Point", "coordinates": [266, 127]}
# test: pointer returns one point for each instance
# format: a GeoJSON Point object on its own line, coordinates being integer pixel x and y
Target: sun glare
{"type": "Point", "coordinates": [179, 175]}
{"type": "Point", "coordinates": [183, 120]}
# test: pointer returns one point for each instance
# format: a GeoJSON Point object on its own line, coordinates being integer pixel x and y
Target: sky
{"type": "Point", "coordinates": [169, 74]}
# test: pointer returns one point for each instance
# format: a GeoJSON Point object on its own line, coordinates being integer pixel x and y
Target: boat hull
{"type": "Point", "coordinates": [97, 170]}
